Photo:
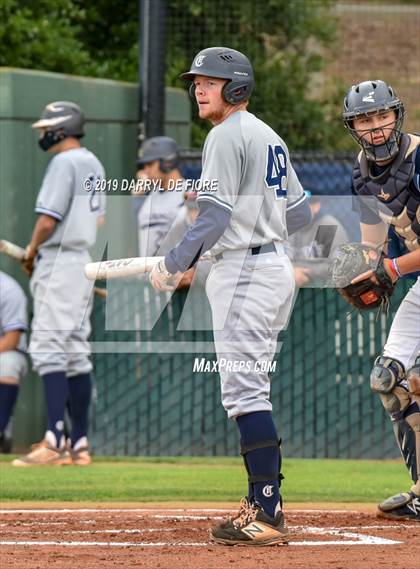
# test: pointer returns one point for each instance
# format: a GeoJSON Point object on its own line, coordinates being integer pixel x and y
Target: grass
{"type": "Point", "coordinates": [124, 479]}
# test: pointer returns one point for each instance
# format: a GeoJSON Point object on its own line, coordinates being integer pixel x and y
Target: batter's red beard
{"type": "Point", "coordinates": [216, 115]}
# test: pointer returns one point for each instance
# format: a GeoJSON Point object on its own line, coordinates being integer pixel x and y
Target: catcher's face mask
{"type": "Point", "coordinates": [378, 134]}
{"type": "Point", "coordinates": [374, 115]}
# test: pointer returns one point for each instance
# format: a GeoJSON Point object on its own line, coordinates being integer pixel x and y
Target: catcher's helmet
{"type": "Point", "coordinates": [61, 119]}
{"type": "Point", "coordinates": [160, 148]}
{"type": "Point", "coordinates": [224, 63]}
{"type": "Point", "coordinates": [370, 97]}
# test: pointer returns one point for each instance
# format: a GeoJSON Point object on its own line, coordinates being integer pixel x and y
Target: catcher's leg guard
{"type": "Point", "coordinates": [388, 378]}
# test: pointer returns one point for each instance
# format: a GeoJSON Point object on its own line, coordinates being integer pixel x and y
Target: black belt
{"type": "Point", "coordinates": [259, 250]}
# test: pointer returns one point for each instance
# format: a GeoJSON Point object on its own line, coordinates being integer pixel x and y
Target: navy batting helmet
{"type": "Point", "coordinates": [374, 97]}
{"type": "Point", "coordinates": [160, 148]}
{"type": "Point", "coordinates": [61, 119]}
{"type": "Point", "coordinates": [224, 63]}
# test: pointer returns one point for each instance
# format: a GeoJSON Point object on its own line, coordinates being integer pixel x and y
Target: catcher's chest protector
{"type": "Point", "coordinates": [396, 188]}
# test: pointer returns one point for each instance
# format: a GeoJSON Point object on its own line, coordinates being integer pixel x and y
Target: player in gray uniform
{"type": "Point", "coordinates": [386, 181]}
{"type": "Point", "coordinates": [251, 285]}
{"type": "Point", "coordinates": [13, 364]}
{"type": "Point", "coordinates": [68, 209]}
{"type": "Point", "coordinates": [159, 158]}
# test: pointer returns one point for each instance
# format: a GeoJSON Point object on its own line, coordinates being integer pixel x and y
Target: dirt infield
{"type": "Point", "coordinates": [177, 538]}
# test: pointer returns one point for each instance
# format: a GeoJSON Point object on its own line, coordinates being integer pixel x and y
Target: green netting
{"type": "Point", "coordinates": [150, 402]}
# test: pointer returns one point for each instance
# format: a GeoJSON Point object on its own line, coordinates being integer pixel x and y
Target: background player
{"type": "Point", "coordinates": [13, 364]}
{"type": "Point", "coordinates": [251, 284]}
{"type": "Point", "coordinates": [65, 229]}
{"type": "Point", "coordinates": [387, 171]}
{"type": "Point", "coordinates": [158, 159]}
{"type": "Point", "coordinates": [156, 217]}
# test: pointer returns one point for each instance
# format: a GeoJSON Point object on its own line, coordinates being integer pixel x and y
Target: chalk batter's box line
{"type": "Point", "coordinates": [352, 538]}
{"type": "Point", "coordinates": [150, 510]}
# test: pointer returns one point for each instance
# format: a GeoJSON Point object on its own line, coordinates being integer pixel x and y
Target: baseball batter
{"type": "Point", "coordinates": [386, 174]}
{"type": "Point", "coordinates": [251, 284]}
{"type": "Point", "coordinates": [13, 364]}
{"type": "Point", "coordinates": [68, 209]}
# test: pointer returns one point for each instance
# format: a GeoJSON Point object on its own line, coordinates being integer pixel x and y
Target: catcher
{"type": "Point", "coordinates": [387, 190]}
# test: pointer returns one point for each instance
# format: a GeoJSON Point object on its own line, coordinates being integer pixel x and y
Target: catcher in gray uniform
{"type": "Point", "coordinates": [251, 285]}
{"type": "Point", "coordinates": [68, 208]}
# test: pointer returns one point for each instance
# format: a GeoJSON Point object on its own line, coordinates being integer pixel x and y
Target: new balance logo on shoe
{"type": "Point", "coordinates": [253, 530]}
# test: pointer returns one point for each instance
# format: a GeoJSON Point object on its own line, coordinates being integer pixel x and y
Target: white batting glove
{"type": "Point", "coordinates": [161, 279]}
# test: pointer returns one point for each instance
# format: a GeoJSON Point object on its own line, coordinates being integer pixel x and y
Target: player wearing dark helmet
{"type": "Point", "coordinates": [259, 199]}
{"type": "Point", "coordinates": [158, 161]}
{"type": "Point", "coordinates": [227, 64]}
{"type": "Point", "coordinates": [68, 209]}
{"type": "Point", "coordinates": [387, 190]}
{"type": "Point", "coordinates": [162, 149]}
{"type": "Point", "coordinates": [60, 120]}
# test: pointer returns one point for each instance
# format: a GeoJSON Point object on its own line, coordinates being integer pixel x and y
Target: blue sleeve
{"type": "Point", "coordinates": [297, 216]}
{"type": "Point", "coordinates": [209, 226]}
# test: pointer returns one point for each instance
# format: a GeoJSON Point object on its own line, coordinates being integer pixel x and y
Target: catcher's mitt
{"type": "Point", "coordinates": [352, 260]}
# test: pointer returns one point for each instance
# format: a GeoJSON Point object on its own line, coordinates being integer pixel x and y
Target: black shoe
{"type": "Point", "coordinates": [252, 526]}
{"type": "Point", "coordinates": [5, 444]}
{"type": "Point", "coordinates": [404, 506]}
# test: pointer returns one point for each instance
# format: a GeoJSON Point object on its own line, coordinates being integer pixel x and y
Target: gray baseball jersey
{"type": "Point", "coordinates": [13, 306]}
{"type": "Point", "coordinates": [255, 181]}
{"type": "Point", "coordinates": [63, 196]}
{"type": "Point", "coordinates": [155, 219]}
{"type": "Point", "coordinates": [60, 325]}
{"type": "Point", "coordinates": [250, 290]}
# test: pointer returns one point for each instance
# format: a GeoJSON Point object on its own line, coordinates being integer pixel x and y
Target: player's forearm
{"type": "Point", "coordinates": [206, 231]}
{"type": "Point", "coordinates": [43, 230]}
{"type": "Point", "coordinates": [10, 341]}
{"type": "Point", "coordinates": [409, 263]}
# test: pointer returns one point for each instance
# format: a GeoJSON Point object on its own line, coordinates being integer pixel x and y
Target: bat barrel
{"type": "Point", "coordinates": [120, 268]}
{"type": "Point", "coordinates": [11, 249]}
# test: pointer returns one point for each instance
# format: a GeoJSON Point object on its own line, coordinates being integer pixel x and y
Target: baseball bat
{"type": "Point", "coordinates": [12, 250]}
{"type": "Point", "coordinates": [119, 268]}
{"type": "Point", "coordinates": [18, 253]}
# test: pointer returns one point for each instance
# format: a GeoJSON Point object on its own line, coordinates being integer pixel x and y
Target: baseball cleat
{"type": "Point", "coordinates": [252, 526]}
{"type": "Point", "coordinates": [404, 506]}
{"type": "Point", "coordinates": [43, 454]}
{"type": "Point", "coordinates": [80, 455]}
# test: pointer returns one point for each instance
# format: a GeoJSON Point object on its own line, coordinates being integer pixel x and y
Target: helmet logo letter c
{"type": "Point", "coordinates": [199, 61]}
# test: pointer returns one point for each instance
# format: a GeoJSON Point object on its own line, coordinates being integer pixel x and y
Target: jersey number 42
{"type": "Point", "coordinates": [276, 171]}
